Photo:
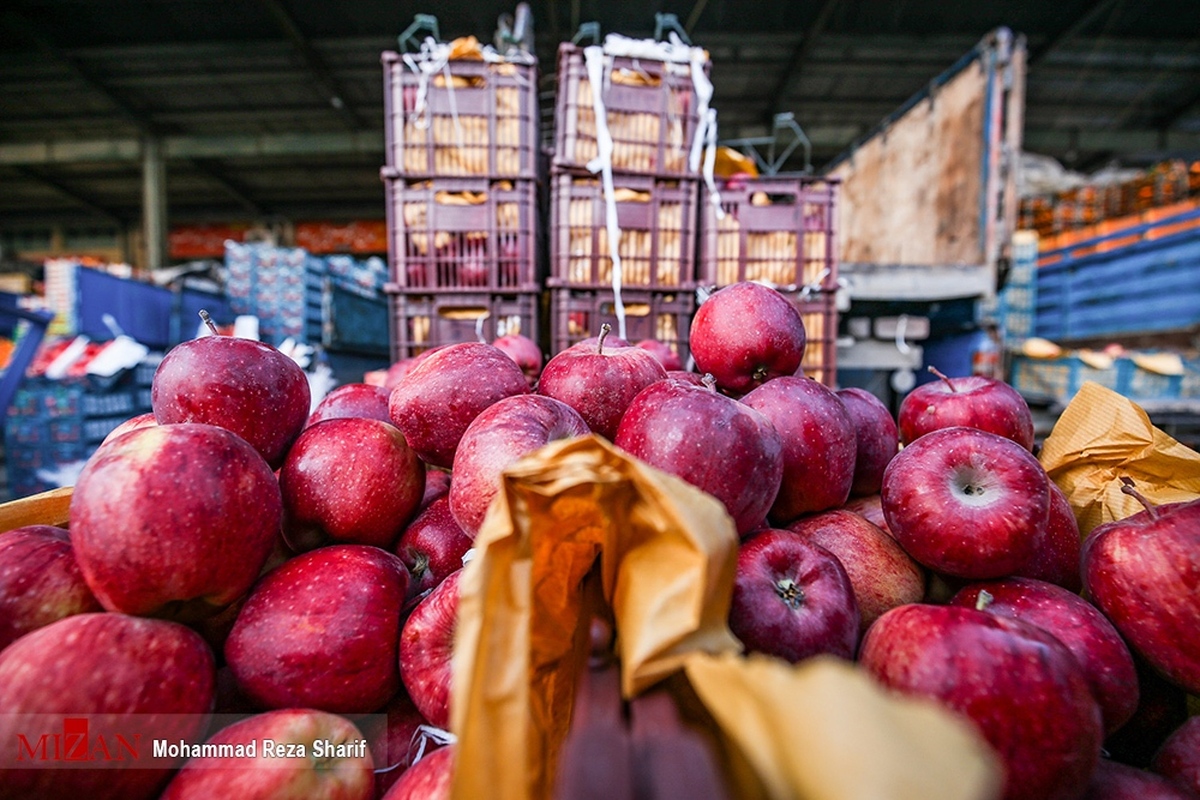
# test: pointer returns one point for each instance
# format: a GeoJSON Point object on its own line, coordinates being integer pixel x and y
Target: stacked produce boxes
{"type": "Point", "coordinates": [623, 190]}
{"type": "Point", "coordinates": [778, 230]}
{"type": "Point", "coordinates": [461, 132]}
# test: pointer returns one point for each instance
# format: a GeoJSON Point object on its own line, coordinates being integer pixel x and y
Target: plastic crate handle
{"type": "Point", "coordinates": [669, 22]}
{"type": "Point", "coordinates": [427, 22]}
{"type": "Point", "coordinates": [587, 29]}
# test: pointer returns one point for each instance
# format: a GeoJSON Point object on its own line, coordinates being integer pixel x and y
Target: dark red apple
{"type": "Point", "coordinates": [435, 402]}
{"type": "Point", "coordinates": [1162, 707]}
{"type": "Point", "coordinates": [349, 480]}
{"type": "Point", "coordinates": [427, 779]}
{"type": "Point", "coordinates": [426, 650]}
{"type": "Point", "coordinates": [1057, 561]}
{"type": "Point", "coordinates": [818, 444]}
{"type": "Point", "coordinates": [244, 386]}
{"type": "Point", "coordinates": [1143, 572]}
{"type": "Point", "coordinates": [882, 575]}
{"type": "Point", "coordinates": [792, 599]}
{"type": "Point", "coordinates": [352, 400]}
{"type": "Point", "coordinates": [525, 352]}
{"type": "Point", "coordinates": [870, 508]}
{"type": "Point", "coordinates": [876, 437]}
{"type": "Point", "coordinates": [1179, 757]}
{"type": "Point", "coordinates": [396, 737]}
{"type": "Point", "coordinates": [40, 582]}
{"type": "Point", "coordinates": [687, 377]}
{"type": "Point", "coordinates": [431, 547]}
{"type": "Point", "coordinates": [99, 688]}
{"type": "Point", "coordinates": [663, 353]}
{"type": "Point", "coordinates": [131, 424]}
{"type": "Point", "coordinates": [713, 442]}
{"type": "Point", "coordinates": [1091, 638]}
{"type": "Point", "coordinates": [174, 520]}
{"type": "Point", "coordinates": [497, 438]}
{"type": "Point", "coordinates": [1018, 684]}
{"type": "Point", "coordinates": [321, 632]}
{"type": "Point", "coordinates": [967, 503]}
{"type": "Point", "coordinates": [973, 402]}
{"type": "Point", "coordinates": [745, 334]}
{"type": "Point", "coordinates": [599, 383]}
{"type": "Point", "coordinates": [437, 484]}
{"type": "Point", "coordinates": [1112, 780]}
{"type": "Point", "coordinates": [299, 754]}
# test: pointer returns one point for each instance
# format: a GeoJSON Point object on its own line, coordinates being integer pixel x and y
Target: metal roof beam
{"type": "Point", "coordinates": [324, 77]}
{"type": "Point", "coordinates": [798, 56]}
{"type": "Point", "coordinates": [231, 187]}
{"type": "Point", "coordinates": [1094, 11]}
{"type": "Point", "coordinates": [69, 194]}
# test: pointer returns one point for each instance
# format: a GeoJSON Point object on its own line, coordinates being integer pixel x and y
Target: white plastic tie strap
{"type": "Point", "coordinates": [594, 59]}
{"type": "Point", "coordinates": [704, 93]}
{"type": "Point", "coordinates": [434, 57]}
{"type": "Point", "coordinates": [710, 160]}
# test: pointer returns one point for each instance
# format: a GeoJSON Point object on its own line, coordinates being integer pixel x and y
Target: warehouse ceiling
{"type": "Point", "coordinates": [273, 109]}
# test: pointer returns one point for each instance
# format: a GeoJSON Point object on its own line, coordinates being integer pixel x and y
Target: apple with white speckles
{"type": "Point", "coordinates": [350, 480]}
{"type": "Point", "coordinates": [40, 581]}
{"type": "Point", "coordinates": [321, 631]}
{"type": "Point", "coordinates": [352, 400]}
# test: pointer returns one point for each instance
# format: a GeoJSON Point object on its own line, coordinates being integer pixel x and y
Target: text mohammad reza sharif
{"type": "Point", "coordinates": [266, 748]}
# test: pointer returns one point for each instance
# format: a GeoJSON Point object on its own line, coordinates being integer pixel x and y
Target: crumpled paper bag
{"type": "Point", "coordinates": [1102, 437]}
{"type": "Point", "coordinates": [667, 555]}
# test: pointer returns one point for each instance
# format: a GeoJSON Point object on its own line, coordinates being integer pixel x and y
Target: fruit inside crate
{"type": "Point", "coordinates": [463, 234]}
{"type": "Point", "coordinates": [657, 231]}
{"type": "Point", "coordinates": [578, 314]}
{"type": "Point", "coordinates": [777, 231]}
{"type": "Point", "coordinates": [421, 322]}
{"type": "Point", "coordinates": [470, 118]}
{"type": "Point", "coordinates": [819, 313]}
{"type": "Point", "coordinates": [650, 107]}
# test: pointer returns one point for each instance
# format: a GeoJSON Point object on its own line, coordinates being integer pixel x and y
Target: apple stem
{"type": "Point", "coordinates": [1127, 488]}
{"type": "Point", "coordinates": [207, 320]}
{"type": "Point", "coordinates": [709, 381]}
{"type": "Point", "coordinates": [984, 600]}
{"type": "Point", "coordinates": [604, 331]}
{"type": "Point", "coordinates": [942, 375]}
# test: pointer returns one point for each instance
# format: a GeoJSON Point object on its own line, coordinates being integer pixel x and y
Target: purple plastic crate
{"type": "Point", "coordinates": [577, 314]}
{"type": "Point", "coordinates": [422, 322]}
{"type": "Point", "coordinates": [473, 118]}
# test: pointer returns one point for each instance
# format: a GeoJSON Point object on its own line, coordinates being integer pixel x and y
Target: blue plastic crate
{"type": "Point", "coordinates": [1140, 384]}
{"type": "Point", "coordinates": [1057, 378]}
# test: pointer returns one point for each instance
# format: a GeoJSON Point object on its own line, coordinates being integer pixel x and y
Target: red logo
{"type": "Point", "coordinates": [76, 743]}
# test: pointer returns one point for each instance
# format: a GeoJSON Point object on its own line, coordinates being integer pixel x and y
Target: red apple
{"type": "Point", "coordinates": [1162, 707]}
{"type": "Point", "coordinates": [1079, 625]}
{"type": "Point", "coordinates": [599, 383]}
{"type": "Point", "coordinates": [396, 737]}
{"type": "Point", "coordinates": [973, 402]}
{"type": "Point", "coordinates": [352, 400]}
{"type": "Point", "coordinates": [663, 353]}
{"type": "Point", "coordinates": [1143, 572]}
{"type": "Point", "coordinates": [1112, 780]}
{"type": "Point", "coordinates": [882, 575]}
{"type": "Point", "coordinates": [435, 402]}
{"type": "Point", "coordinates": [431, 547]}
{"type": "Point", "coordinates": [967, 503]}
{"type": "Point", "coordinates": [174, 520]}
{"type": "Point", "coordinates": [792, 599]}
{"type": "Point", "coordinates": [876, 437]}
{"type": "Point", "coordinates": [428, 779]}
{"type": "Point", "coordinates": [350, 480]}
{"type": "Point", "coordinates": [497, 438]}
{"type": "Point", "coordinates": [687, 377]}
{"type": "Point", "coordinates": [302, 754]}
{"type": "Point", "coordinates": [131, 424]}
{"type": "Point", "coordinates": [426, 649]}
{"type": "Point", "coordinates": [244, 386]}
{"type": "Point", "coordinates": [1057, 560]}
{"type": "Point", "coordinates": [1179, 757]}
{"type": "Point", "coordinates": [1018, 684]}
{"type": "Point", "coordinates": [99, 688]}
{"type": "Point", "coordinates": [437, 484]}
{"type": "Point", "coordinates": [818, 444]}
{"type": "Point", "coordinates": [321, 632]}
{"type": "Point", "coordinates": [713, 442]}
{"type": "Point", "coordinates": [870, 508]}
{"type": "Point", "coordinates": [746, 334]}
{"type": "Point", "coordinates": [40, 582]}
{"type": "Point", "coordinates": [524, 351]}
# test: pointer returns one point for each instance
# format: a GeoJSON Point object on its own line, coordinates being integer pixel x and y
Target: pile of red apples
{"type": "Point", "coordinates": [234, 553]}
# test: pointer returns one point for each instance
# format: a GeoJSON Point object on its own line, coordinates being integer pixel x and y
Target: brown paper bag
{"type": "Point", "coordinates": [1102, 437]}
{"type": "Point", "coordinates": [667, 555]}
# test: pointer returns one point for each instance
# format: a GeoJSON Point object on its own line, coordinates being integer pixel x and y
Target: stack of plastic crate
{"type": "Point", "coordinates": [461, 137]}
{"type": "Point", "coordinates": [623, 220]}
{"type": "Point", "coordinates": [778, 230]}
